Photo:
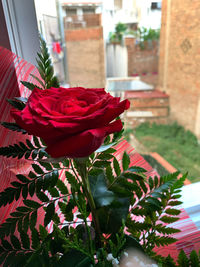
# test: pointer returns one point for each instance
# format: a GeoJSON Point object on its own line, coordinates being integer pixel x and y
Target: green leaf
{"type": "Point", "coordinates": [109, 174]}
{"type": "Point", "coordinates": [36, 141]}
{"type": "Point", "coordinates": [43, 232]}
{"type": "Point", "coordinates": [54, 192]}
{"type": "Point", "coordinates": [46, 165]}
{"type": "Point", "coordinates": [13, 127]}
{"type": "Point", "coordinates": [172, 211]}
{"type": "Point", "coordinates": [38, 80]}
{"type": "Point", "coordinates": [116, 167]}
{"type": "Point", "coordinates": [194, 259]}
{"type": "Point", "coordinates": [29, 85]}
{"type": "Point", "coordinates": [105, 147]}
{"type": "Point", "coordinates": [15, 242]}
{"type": "Point", "coordinates": [6, 244]}
{"type": "Point", "coordinates": [102, 196]}
{"type": "Point", "coordinates": [42, 196]}
{"type": "Point", "coordinates": [182, 259]}
{"type": "Point", "coordinates": [62, 187]}
{"type": "Point", "coordinates": [37, 169]}
{"type": "Point", "coordinates": [31, 203]}
{"type": "Point", "coordinates": [125, 161]}
{"type": "Point", "coordinates": [25, 240]}
{"type": "Point", "coordinates": [50, 211]}
{"type": "Point", "coordinates": [168, 219]}
{"type": "Point", "coordinates": [35, 239]}
{"type": "Point", "coordinates": [16, 104]}
{"type": "Point", "coordinates": [101, 163]}
{"type": "Point", "coordinates": [31, 188]}
{"type": "Point", "coordinates": [25, 191]}
{"type": "Point", "coordinates": [33, 219]}
{"type": "Point", "coordinates": [22, 178]}
{"type": "Point", "coordinates": [136, 169]}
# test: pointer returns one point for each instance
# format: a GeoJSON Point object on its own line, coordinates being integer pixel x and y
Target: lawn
{"type": "Point", "coordinates": [178, 146]}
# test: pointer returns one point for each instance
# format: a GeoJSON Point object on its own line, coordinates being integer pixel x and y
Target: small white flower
{"type": "Point", "coordinates": [115, 262]}
{"type": "Point", "coordinates": [110, 257]}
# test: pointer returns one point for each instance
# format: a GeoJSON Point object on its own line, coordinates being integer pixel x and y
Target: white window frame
{"type": "Point", "coordinates": [22, 28]}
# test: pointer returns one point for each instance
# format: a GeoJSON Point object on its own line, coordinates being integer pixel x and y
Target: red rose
{"type": "Point", "coordinates": [73, 122]}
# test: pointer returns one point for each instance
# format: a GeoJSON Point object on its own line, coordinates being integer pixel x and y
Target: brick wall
{"type": "Point", "coordinates": [85, 57]}
{"type": "Point", "coordinates": [141, 61]}
{"type": "Point", "coordinates": [84, 21]}
{"type": "Point", "coordinates": [179, 65]}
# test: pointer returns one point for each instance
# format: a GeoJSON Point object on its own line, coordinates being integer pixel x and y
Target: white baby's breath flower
{"type": "Point", "coordinates": [110, 257]}
{"type": "Point", "coordinates": [115, 262]}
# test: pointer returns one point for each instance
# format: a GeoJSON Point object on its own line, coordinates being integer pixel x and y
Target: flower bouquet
{"type": "Point", "coordinates": [81, 206]}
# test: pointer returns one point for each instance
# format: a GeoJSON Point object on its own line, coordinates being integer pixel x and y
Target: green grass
{"type": "Point", "coordinates": [178, 146]}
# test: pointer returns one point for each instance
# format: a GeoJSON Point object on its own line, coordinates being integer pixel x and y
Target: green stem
{"type": "Point", "coordinates": [84, 175]}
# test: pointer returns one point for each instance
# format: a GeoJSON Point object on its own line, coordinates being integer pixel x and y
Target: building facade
{"type": "Point", "coordinates": [179, 66]}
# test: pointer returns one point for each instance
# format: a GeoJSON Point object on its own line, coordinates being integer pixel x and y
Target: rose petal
{"type": "Point", "coordinates": [83, 144]}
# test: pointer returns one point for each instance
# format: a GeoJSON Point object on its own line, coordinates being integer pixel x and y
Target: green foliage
{"type": "Point", "coordinates": [99, 191]}
{"type": "Point", "coordinates": [178, 146]}
{"type": "Point", "coordinates": [145, 35]}
{"type": "Point", "coordinates": [29, 150]}
{"type": "Point", "coordinates": [45, 69]}
{"type": "Point", "coordinates": [117, 36]}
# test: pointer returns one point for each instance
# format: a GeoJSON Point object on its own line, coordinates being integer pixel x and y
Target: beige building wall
{"type": "Point", "coordinates": [179, 64]}
{"type": "Point", "coordinates": [85, 53]}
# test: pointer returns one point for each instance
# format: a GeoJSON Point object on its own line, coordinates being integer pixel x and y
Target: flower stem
{"type": "Point", "coordinates": [86, 186]}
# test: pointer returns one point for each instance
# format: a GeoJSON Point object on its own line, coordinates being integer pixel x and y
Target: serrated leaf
{"type": "Point", "coordinates": [50, 211]}
{"type": "Point", "coordinates": [13, 127]}
{"type": "Point", "coordinates": [183, 259]}
{"type": "Point", "coordinates": [53, 192]}
{"type": "Point", "coordinates": [101, 163]}
{"type": "Point", "coordinates": [6, 244]}
{"type": "Point", "coordinates": [105, 147]}
{"type": "Point", "coordinates": [168, 219]}
{"type": "Point", "coordinates": [29, 144]}
{"type": "Point", "coordinates": [38, 80]}
{"type": "Point", "coordinates": [25, 240]}
{"type": "Point", "coordinates": [125, 161]}
{"type": "Point", "coordinates": [33, 219]}
{"type": "Point", "coordinates": [62, 187]}
{"type": "Point", "coordinates": [22, 178]}
{"type": "Point", "coordinates": [46, 165]}
{"type": "Point", "coordinates": [31, 203]}
{"type": "Point", "coordinates": [37, 169]}
{"type": "Point", "coordinates": [43, 232]}
{"type": "Point", "coordinates": [15, 242]}
{"type": "Point", "coordinates": [31, 188]}
{"type": "Point", "coordinates": [29, 85]}
{"type": "Point", "coordinates": [136, 169]}
{"type": "Point", "coordinates": [116, 167]}
{"type": "Point", "coordinates": [39, 184]}
{"type": "Point", "coordinates": [16, 104]}
{"type": "Point", "coordinates": [26, 223]}
{"type": "Point", "coordinates": [171, 211]}
{"type": "Point", "coordinates": [36, 141]}
{"type": "Point", "coordinates": [35, 239]}
{"type": "Point", "coordinates": [25, 191]}
{"type": "Point", "coordinates": [109, 174]}
{"type": "Point", "coordinates": [42, 196]}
